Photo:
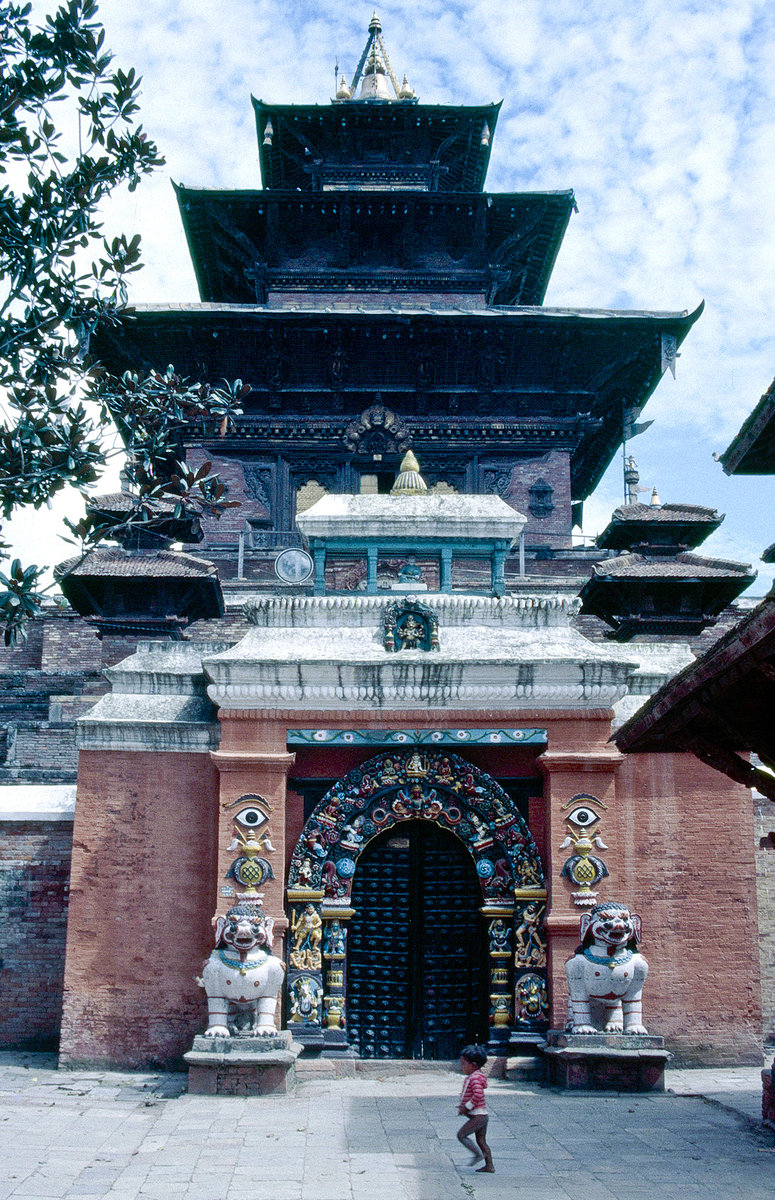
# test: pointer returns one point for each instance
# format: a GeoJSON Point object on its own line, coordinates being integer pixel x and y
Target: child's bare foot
{"type": "Point", "coordinates": [488, 1167]}
{"type": "Point", "coordinates": [476, 1157]}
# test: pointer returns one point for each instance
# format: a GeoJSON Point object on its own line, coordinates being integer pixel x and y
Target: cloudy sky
{"type": "Point", "coordinates": [660, 115]}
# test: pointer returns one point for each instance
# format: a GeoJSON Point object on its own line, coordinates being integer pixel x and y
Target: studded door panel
{"type": "Point", "coordinates": [416, 963]}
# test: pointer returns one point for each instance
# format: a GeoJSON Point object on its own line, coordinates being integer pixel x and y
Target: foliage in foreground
{"type": "Point", "coordinates": [68, 139]}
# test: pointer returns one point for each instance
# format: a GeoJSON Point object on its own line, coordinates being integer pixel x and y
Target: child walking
{"type": "Point", "coordinates": [473, 1105]}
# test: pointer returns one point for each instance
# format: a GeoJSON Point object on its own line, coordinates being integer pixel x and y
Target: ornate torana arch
{"type": "Point", "coordinates": [414, 784]}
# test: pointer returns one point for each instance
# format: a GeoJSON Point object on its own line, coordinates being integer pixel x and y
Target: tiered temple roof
{"type": "Point", "coordinates": [370, 272]}
{"type": "Point", "coordinates": [655, 586]}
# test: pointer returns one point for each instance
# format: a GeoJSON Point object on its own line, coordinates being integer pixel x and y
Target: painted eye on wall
{"type": "Point", "coordinates": [583, 816]}
{"type": "Point", "coordinates": [251, 818]}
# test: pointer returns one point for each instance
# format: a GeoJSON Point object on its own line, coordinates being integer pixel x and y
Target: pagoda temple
{"type": "Point", "coordinates": [399, 727]}
{"type": "Point", "coordinates": [375, 297]}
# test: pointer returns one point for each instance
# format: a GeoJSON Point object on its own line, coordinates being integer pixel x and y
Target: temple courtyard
{"type": "Point", "coordinates": [385, 1132]}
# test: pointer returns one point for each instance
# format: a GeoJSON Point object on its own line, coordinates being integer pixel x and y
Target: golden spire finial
{"type": "Point", "coordinates": [409, 481]}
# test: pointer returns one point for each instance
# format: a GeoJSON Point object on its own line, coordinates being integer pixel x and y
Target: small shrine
{"type": "Point", "coordinates": [654, 584]}
{"type": "Point", "coordinates": [410, 540]}
{"type": "Point", "coordinates": [142, 586]}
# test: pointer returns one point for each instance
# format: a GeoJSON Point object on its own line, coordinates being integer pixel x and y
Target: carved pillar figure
{"type": "Point", "coordinates": [531, 1008]}
{"type": "Point", "coordinates": [335, 965]}
{"type": "Point", "coordinates": [499, 931]}
{"type": "Point", "coordinates": [305, 965]}
{"type": "Point", "coordinates": [570, 773]}
{"type": "Point", "coordinates": [251, 833]}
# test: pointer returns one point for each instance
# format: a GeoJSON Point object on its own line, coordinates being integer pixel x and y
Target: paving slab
{"type": "Point", "coordinates": [384, 1132]}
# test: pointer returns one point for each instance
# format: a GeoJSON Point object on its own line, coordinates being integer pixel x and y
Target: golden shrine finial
{"type": "Point", "coordinates": [409, 481]}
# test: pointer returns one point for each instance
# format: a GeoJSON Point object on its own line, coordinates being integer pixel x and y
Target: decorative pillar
{"type": "Point", "coordinates": [304, 985]}
{"type": "Point", "coordinates": [569, 773]}
{"type": "Point", "coordinates": [499, 930]}
{"type": "Point", "coordinates": [251, 832]}
{"type": "Point", "coordinates": [319, 553]}
{"type": "Point", "coordinates": [335, 977]}
{"type": "Point", "coordinates": [445, 582]}
{"type": "Point", "coordinates": [531, 1003]}
{"type": "Point", "coordinates": [498, 569]}
{"type": "Point", "coordinates": [371, 569]}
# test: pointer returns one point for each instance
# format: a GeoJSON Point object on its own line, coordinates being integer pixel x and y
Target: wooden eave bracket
{"type": "Point", "coordinates": [732, 765]}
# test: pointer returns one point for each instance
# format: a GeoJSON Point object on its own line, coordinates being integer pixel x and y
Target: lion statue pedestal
{"type": "Point", "coordinates": [605, 1045]}
{"type": "Point", "coordinates": [242, 1053]}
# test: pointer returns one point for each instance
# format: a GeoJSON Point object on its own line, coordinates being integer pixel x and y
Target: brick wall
{"type": "Point", "coordinates": [764, 833]}
{"type": "Point", "coordinates": [229, 526]}
{"type": "Point", "coordinates": [683, 856]}
{"type": "Point", "coordinates": [34, 874]}
{"type": "Point", "coordinates": [143, 891]}
{"type": "Point", "coordinates": [554, 469]}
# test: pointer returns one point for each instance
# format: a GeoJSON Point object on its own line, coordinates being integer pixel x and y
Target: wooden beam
{"type": "Point", "coordinates": [732, 765]}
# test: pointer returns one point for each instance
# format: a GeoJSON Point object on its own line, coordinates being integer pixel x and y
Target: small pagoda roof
{"type": "Point", "coordinates": [681, 566]}
{"type": "Point", "coordinates": [682, 525]}
{"type": "Point", "coordinates": [159, 521]}
{"type": "Point", "coordinates": [674, 593]}
{"type": "Point", "coordinates": [313, 147]}
{"type": "Point", "coordinates": [131, 591]}
{"type": "Point", "coordinates": [752, 450]}
{"type": "Point", "coordinates": [114, 563]}
{"type": "Point", "coordinates": [718, 706]}
{"type": "Point", "coordinates": [503, 246]}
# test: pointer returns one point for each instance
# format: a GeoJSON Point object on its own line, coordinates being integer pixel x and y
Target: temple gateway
{"type": "Point", "coordinates": [371, 700]}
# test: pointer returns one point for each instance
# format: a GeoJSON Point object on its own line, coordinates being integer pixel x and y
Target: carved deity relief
{"type": "Point", "coordinates": [529, 937]}
{"type": "Point", "coordinates": [409, 625]}
{"type": "Point", "coordinates": [531, 999]}
{"type": "Point", "coordinates": [305, 1001]}
{"type": "Point", "coordinates": [500, 938]}
{"type": "Point", "coordinates": [408, 785]}
{"type": "Point", "coordinates": [307, 932]}
{"type": "Point", "coordinates": [377, 417]}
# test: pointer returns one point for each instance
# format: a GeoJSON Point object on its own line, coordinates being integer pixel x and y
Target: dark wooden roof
{"type": "Point", "coordinates": [133, 591]}
{"type": "Point", "coordinates": [557, 370]}
{"type": "Point", "coordinates": [718, 706]}
{"type": "Point", "coordinates": [362, 144]}
{"type": "Point", "coordinates": [680, 566]}
{"type": "Point", "coordinates": [673, 594]}
{"type": "Point", "coordinates": [501, 247]}
{"type": "Point", "coordinates": [115, 563]}
{"type": "Point", "coordinates": [680, 525]}
{"type": "Point", "coordinates": [153, 520]}
{"type": "Point", "coordinates": [752, 450]}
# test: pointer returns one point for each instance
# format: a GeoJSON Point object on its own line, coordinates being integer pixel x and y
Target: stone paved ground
{"type": "Point", "coordinates": [92, 1134]}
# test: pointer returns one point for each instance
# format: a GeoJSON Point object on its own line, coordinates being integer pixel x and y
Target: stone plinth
{"type": "Point", "coordinates": [605, 1062]}
{"type": "Point", "coordinates": [242, 1066]}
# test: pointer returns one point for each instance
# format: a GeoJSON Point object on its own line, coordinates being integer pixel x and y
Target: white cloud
{"type": "Point", "coordinates": [659, 115]}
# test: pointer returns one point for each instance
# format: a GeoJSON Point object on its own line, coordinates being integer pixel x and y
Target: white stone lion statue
{"type": "Point", "coordinates": [242, 977]}
{"type": "Point", "coordinates": [606, 974]}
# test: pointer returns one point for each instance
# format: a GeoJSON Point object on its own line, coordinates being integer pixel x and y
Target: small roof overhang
{"type": "Point", "coordinates": [752, 450]}
{"type": "Point", "coordinates": [719, 706]}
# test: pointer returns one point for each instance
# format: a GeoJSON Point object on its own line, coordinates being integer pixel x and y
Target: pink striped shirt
{"type": "Point", "coordinates": [472, 1096]}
